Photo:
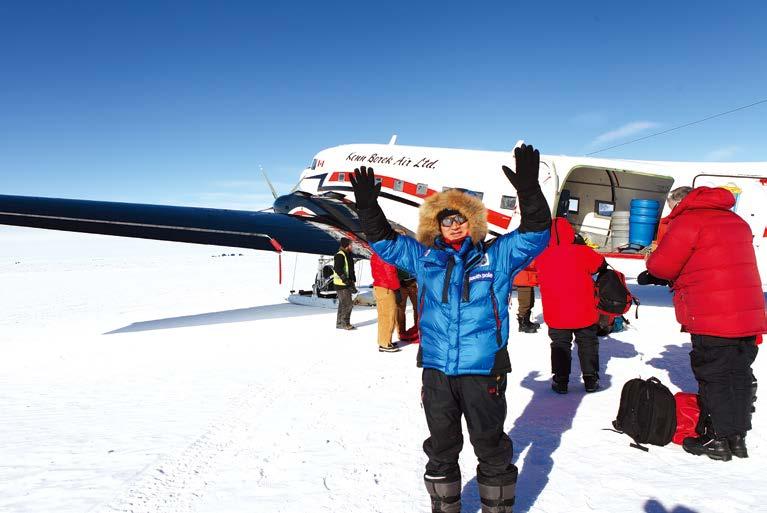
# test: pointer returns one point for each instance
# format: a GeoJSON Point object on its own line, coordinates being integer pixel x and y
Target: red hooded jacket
{"type": "Point", "coordinates": [384, 275]}
{"type": "Point", "coordinates": [565, 277]}
{"type": "Point", "coordinates": [708, 254]}
{"type": "Point", "coordinates": [527, 277]}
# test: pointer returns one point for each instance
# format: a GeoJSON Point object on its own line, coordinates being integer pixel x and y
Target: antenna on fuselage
{"type": "Point", "coordinates": [393, 139]}
{"type": "Point", "coordinates": [274, 192]}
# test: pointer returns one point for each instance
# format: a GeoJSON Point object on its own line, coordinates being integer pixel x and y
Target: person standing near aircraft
{"type": "Point", "coordinates": [565, 274]}
{"type": "Point", "coordinates": [525, 282]}
{"type": "Point", "coordinates": [708, 257]}
{"type": "Point", "coordinates": [385, 287]}
{"type": "Point", "coordinates": [464, 285]}
{"type": "Point", "coordinates": [344, 282]}
{"type": "Point", "coordinates": [408, 291]}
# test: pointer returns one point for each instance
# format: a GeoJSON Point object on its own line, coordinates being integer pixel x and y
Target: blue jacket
{"type": "Point", "coordinates": [463, 297]}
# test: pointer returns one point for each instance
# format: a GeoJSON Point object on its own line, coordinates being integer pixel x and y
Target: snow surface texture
{"type": "Point", "coordinates": [141, 376]}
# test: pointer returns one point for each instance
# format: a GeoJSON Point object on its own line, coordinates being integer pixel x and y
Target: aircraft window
{"type": "Point", "coordinates": [508, 202]}
{"type": "Point", "coordinates": [572, 207]}
{"type": "Point", "coordinates": [314, 164]}
{"type": "Point", "coordinates": [479, 195]}
{"type": "Point", "coordinates": [604, 208]}
{"type": "Point", "coordinates": [399, 185]}
{"type": "Point", "coordinates": [476, 194]}
{"type": "Point", "coordinates": [421, 189]}
{"type": "Point", "coordinates": [341, 177]}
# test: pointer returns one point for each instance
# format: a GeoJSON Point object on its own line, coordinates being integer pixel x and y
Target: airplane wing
{"type": "Point", "coordinates": [234, 228]}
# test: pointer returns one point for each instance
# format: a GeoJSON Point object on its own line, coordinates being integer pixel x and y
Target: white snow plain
{"type": "Point", "coordinates": [141, 376]}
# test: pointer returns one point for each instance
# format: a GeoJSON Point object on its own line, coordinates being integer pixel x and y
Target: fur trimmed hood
{"type": "Point", "coordinates": [470, 206]}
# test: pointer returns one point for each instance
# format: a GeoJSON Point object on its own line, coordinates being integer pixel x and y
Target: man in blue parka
{"type": "Point", "coordinates": [464, 285]}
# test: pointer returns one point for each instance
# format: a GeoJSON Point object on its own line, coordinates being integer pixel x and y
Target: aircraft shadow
{"type": "Point", "coordinates": [540, 427]}
{"type": "Point", "coordinates": [676, 361]}
{"type": "Point", "coordinates": [280, 310]}
{"type": "Point", "coordinates": [654, 506]}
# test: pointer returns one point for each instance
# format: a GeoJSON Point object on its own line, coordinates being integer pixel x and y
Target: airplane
{"type": "Point", "coordinates": [320, 210]}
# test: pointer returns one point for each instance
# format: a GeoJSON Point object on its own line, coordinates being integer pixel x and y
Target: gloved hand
{"type": "Point", "coordinates": [525, 180]}
{"type": "Point", "coordinates": [366, 189]}
{"type": "Point", "coordinates": [398, 296]}
{"type": "Point", "coordinates": [645, 278]}
{"type": "Point", "coordinates": [353, 288]}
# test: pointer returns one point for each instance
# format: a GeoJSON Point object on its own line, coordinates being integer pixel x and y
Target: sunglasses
{"type": "Point", "coordinates": [449, 220]}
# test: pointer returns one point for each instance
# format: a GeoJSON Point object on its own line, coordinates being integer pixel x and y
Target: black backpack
{"type": "Point", "coordinates": [647, 412]}
{"type": "Point", "coordinates": [614, 296]}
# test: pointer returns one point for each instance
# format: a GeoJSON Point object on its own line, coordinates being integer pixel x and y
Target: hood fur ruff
{"type": "Point", "coordinates": [470, 206]}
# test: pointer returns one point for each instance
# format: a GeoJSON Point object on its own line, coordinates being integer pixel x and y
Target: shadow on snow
{"type": "Point", "coordinates": [654, 506]}
{"type": "Point", "coordinates": [277, 311]}
{"type": "Point", "coordinates": [540, 427]}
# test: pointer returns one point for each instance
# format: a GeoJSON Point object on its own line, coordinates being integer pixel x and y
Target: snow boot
{"type": "Point", "coordinates": [714, 448]}
{"type": "Point", "coordinates": [525, 326]}
{"type": "Point", "coordinates": [445, 496]}
{"type": "Point", "coordinates": [536, 325]}
{"type": "Point", "coordinates": [497, 498]}
{"type": "Point", "coordinates": [391, 348]}
{"type": "Point", "coordinates": [559, 384]}
{"type": "Point", "coordinates": [738, 445]}
{"type": "Point", "coordinates": [591, 382]}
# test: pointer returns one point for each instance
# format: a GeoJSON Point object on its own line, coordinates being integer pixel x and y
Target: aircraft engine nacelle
{"type": "Point", "coordinates": [330, 207]}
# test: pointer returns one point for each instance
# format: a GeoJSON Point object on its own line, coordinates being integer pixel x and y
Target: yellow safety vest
{"type": "Point", "coordinates": [337, 279]}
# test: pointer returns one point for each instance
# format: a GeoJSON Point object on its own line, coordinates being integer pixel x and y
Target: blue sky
{"type": "Point", "coordinates": [180, 102]}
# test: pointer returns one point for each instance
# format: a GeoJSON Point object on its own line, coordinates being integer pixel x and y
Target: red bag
{"type": "Point", "coordinates": [687, 413]}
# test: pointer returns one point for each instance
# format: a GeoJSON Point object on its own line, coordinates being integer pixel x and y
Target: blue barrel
{"type": "Point", "coordinates": [642, 221]}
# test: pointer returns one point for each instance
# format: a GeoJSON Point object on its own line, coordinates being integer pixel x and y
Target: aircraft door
{"type": "Point", "coordinates": [547, 177]}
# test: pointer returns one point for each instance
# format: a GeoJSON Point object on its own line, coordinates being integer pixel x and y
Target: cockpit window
{"type": "Point", "coordinates": [314, 164]}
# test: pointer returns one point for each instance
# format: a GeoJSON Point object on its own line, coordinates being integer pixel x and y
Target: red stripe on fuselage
{"type": "Point", "coordinates": [387, 182]}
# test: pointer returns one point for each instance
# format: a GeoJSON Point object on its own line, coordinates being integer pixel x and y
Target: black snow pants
{"type": "Point", "coordinates": [561, 349]}
{"type": "Point", "coordinates": [722, 367]}
{"type": "Point", "coordinates": [482, 399]}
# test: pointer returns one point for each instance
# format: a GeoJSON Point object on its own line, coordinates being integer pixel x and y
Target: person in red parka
{"type": "Point", "coordinates": [565, 278]}
{"type": "Point", "coordinates": [708, 256]}
{"type": "Point", "coordinates": [385, 286]}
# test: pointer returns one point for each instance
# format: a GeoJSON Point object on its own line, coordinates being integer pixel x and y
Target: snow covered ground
{"type": "Point", "coordinates": [154, 377]}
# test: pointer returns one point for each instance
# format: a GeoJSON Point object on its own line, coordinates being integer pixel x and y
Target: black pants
{"type": "Point", "coordinates": [345, 305]}
{"type": "Point", "coordinates": [482, 399]}
{"type": "Point", "coordinates": [722, 367]}
{"type": "Point", "coordinates": [561, 348]}
{"type": "Point", "coordinates": [526, 300]}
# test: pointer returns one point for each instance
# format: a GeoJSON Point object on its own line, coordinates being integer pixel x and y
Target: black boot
{"type": "Point", "coordinates": [497, 498]}
{"type": "Point", "coordinates": [738, 445]}
{"type": "Point", "coordinates": [524, 326]}
{"type": "Point", "coordinates": [445, 496]}
{"type": "Point", "coordinates": [559, 384]}
{"type": "Point", "coordinates": [714, 448]}
{"type": "Point", "coordinates": [536, 325]}
{"type": "Point", "coordinates": [591, 382]}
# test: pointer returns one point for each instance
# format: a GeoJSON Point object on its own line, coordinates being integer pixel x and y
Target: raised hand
{"type": "Point", "coordinates": [528, 159]}
{"type": "Point", "coordinates": [366, 189]}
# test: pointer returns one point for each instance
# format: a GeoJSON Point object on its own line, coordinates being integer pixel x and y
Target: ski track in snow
{"type": "Point", "coordinates": [175, 483]}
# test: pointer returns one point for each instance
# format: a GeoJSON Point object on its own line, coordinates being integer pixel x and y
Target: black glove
{"type": "Point", "coordinates": [525, 180]}
{"type": "Point", "coordinates": [353, 288]}
{"type": "Point", "coordinates": [398, 296]}
{"type": "Point", "coordinates": [365, 187]}
{"type": "Point", "coordinates": [645, 278]}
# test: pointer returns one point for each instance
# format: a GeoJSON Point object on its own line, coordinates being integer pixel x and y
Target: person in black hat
{"type": "Point", "coordinates": [344, 283]}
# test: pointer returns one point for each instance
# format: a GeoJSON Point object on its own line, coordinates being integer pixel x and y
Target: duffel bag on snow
{"type": "Point", "coordinates": [613, 294]}
{"type": "Point", "coordinates": [647, 412]}
{"type": "Point", "coordinates": [687, 414]}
